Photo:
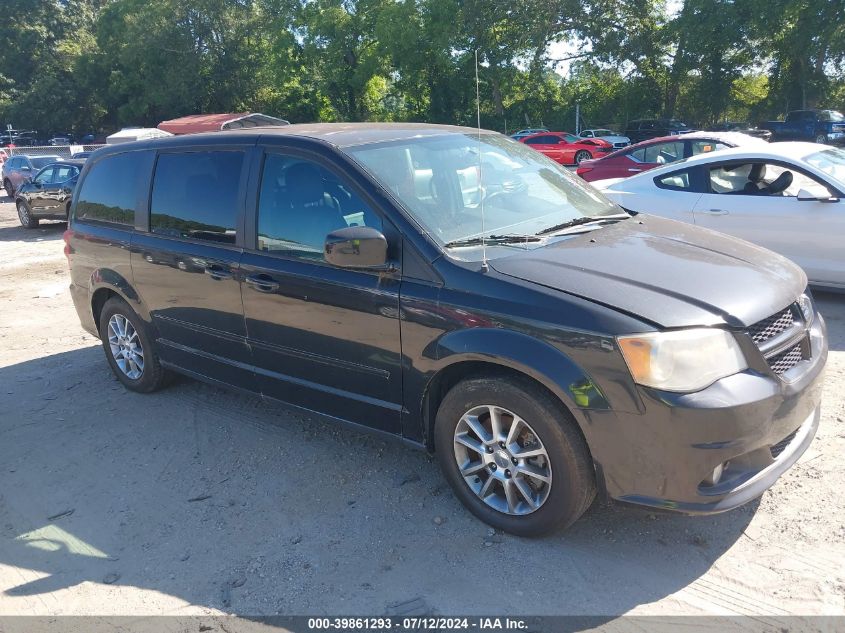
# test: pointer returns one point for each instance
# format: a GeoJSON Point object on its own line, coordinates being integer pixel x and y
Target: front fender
{"type": "Point", "coordinates": [530, 356]}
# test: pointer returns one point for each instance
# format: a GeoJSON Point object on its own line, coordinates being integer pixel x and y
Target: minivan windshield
{"type": "Point", "coordinates": [445, 181]}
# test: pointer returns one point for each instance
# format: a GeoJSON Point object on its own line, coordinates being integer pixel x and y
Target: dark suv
{"type": "Point", "coordinates": [644, 129]}
{"type": "Point", "coordinates": [463, 293]}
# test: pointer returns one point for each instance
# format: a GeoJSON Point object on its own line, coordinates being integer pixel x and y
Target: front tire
{"type": "Point", "coordinates": [129, 349]}
{"type": "Point", "coordinates": [28, 221]}
{"type": "Point", "coordinates": [513, 455]}
{"type": "Point", "coordinates": [10, 190]}
{"type": "Point", "coordinates": [821, 139]}
{"type": "Point", "coordinates": [581, 156]}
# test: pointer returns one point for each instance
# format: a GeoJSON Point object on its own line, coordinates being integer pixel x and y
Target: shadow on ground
{"type": "Point", "coordinates": [46, 231]}
{"type": "Point", "coordinates": [227, 502]}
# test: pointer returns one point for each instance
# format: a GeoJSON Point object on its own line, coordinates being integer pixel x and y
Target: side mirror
{"type": "Point", "coordinates": [25, 168]}
{"type": "Point", "coordinates": [357, 247]}
{"type": "Point", "coordinates": [806, 196]}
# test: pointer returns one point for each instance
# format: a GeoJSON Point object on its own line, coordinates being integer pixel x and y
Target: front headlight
{"type": "Point", "coordinates": [682, 360]}
{"type": "Point", "coordinates": [806, 305]}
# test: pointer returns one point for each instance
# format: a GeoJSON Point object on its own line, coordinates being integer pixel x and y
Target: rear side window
{"type": "Point", "coordinates": [702, 147]}
{"type": "Point", "coordinates": [679, 180]}
{"type": "Point", "coordinates": [113, 187]}
{"type": "Point", "coordinates": [195, 195]}
{"type": "Point", "coordinates": [546, 139]}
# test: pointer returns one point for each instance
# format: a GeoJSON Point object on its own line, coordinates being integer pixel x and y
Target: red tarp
{"type": "Point", "coordinates": [213, 122]}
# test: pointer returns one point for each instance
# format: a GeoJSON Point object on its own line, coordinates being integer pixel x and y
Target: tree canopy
{"type": "Point", "coordinates": [89, 65]}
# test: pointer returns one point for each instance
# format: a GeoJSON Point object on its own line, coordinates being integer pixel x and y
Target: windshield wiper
{"type": "Point", "coordinates": [582, 220]}
{"type": "Point", "coordinates": [491, 239]}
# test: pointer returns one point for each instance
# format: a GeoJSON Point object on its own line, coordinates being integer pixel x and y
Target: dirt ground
{"type": "Point", "coordinates": [195, 500]}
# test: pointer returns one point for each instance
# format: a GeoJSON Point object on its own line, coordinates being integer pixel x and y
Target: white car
{"type": "Point", "coordinates": [617, 140]}
{"type": "Point", "coordinates": [787, 197]}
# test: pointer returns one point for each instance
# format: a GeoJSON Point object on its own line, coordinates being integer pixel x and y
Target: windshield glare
{"type": "Point", "coordinates": [440, 183]}
{"type": "Point", "coordinates": [830, 161]}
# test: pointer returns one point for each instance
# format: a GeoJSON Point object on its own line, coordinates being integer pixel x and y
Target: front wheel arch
{"type": "Point", "coordinates": [449, 376]}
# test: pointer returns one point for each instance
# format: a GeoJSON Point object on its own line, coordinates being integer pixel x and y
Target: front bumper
{"type": "Point", "coordinates": [752, 425]}
{"type": "Point", "coordinates": [836, 138]}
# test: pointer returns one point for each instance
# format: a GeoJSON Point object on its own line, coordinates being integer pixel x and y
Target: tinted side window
{"type": "Point", "coordinates": [112, 188]}
{"type": "Point", "coordinates": [63, 173]}
{"type": "Point", "coordinates": [195, 195]}
{"type": "Point", "coordinates": [680, 180]}
{"type": "Point", "coordinates": [45, 176]}
{"type": "Point", "coordinates": [300, 203]}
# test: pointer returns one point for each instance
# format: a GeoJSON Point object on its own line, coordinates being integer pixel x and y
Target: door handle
{"type": "Point", "coordinates": [716, 211]}
{"type": "Point", "coordinates": [218, 273]}
{"type": "Point", "coordinates": [634, 169]}
{"type": "Point", "coordinates": [262, 283]}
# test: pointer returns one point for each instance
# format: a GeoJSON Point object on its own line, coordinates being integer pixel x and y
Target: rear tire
{"type": "Point", "coordinates": [545, 505]}
{"type": "Point", "coordinates": [129, 348]}
{"type": "Point", "coordinates": [25, 215]}
{"type": "Point", "coordinates": [821, 139]}
{"type": "Point", "coordinates": [581, 156]}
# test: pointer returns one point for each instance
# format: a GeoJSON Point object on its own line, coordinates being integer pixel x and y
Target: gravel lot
{"type": "Point", "coordinates": [200, 501]}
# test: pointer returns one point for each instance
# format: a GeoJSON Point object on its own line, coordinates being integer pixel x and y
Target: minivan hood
{"type": "Point", "coordinates": [666, 272]}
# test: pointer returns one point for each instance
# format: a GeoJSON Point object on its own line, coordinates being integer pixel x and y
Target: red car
{"type": "Point", "coordinates": [566, 148]}
{"type": "Point", "coordinates": [659, 151]}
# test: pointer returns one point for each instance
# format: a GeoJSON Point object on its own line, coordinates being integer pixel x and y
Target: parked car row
{"type": "Point", "coordinates": [18, 169]}
{"type": "Point", "coordinates": [17, 138]}
{"type": "Point", "coordinates": [566, 148]}
{"type": "Point", "coordinates": [659, 151]}
{"type": "Point", "coordinates": [48, 195]}
{"type": "Point", "coordinates": [465, 293]}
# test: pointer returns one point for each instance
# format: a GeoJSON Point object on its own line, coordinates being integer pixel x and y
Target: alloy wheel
{"type": "Point", "coordinates": [582, 156]}
{"type": "Point", "coordinates": [23, 213]}
{"type": "Point", "coordinates": [126, 346]}
{"type": "Point", "coordinates": [502, 460]}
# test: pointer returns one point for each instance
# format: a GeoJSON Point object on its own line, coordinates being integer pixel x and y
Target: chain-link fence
{"type": "Point", "coordinates": [62, 151]}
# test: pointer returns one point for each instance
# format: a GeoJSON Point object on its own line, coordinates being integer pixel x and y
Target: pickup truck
{"type": "Point", "coordinates": [820, 126]}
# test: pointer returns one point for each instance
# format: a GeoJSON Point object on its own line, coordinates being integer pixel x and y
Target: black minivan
{"type": "Point", "coordinates": [464, 293]}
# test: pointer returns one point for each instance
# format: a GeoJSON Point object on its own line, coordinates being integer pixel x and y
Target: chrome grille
{"type": "Point", "coordinates": [785, 361]}
{"type": "Point", "coordinates": [777, 449]}
{"type": "Point", "coordinates": [771, 327]}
